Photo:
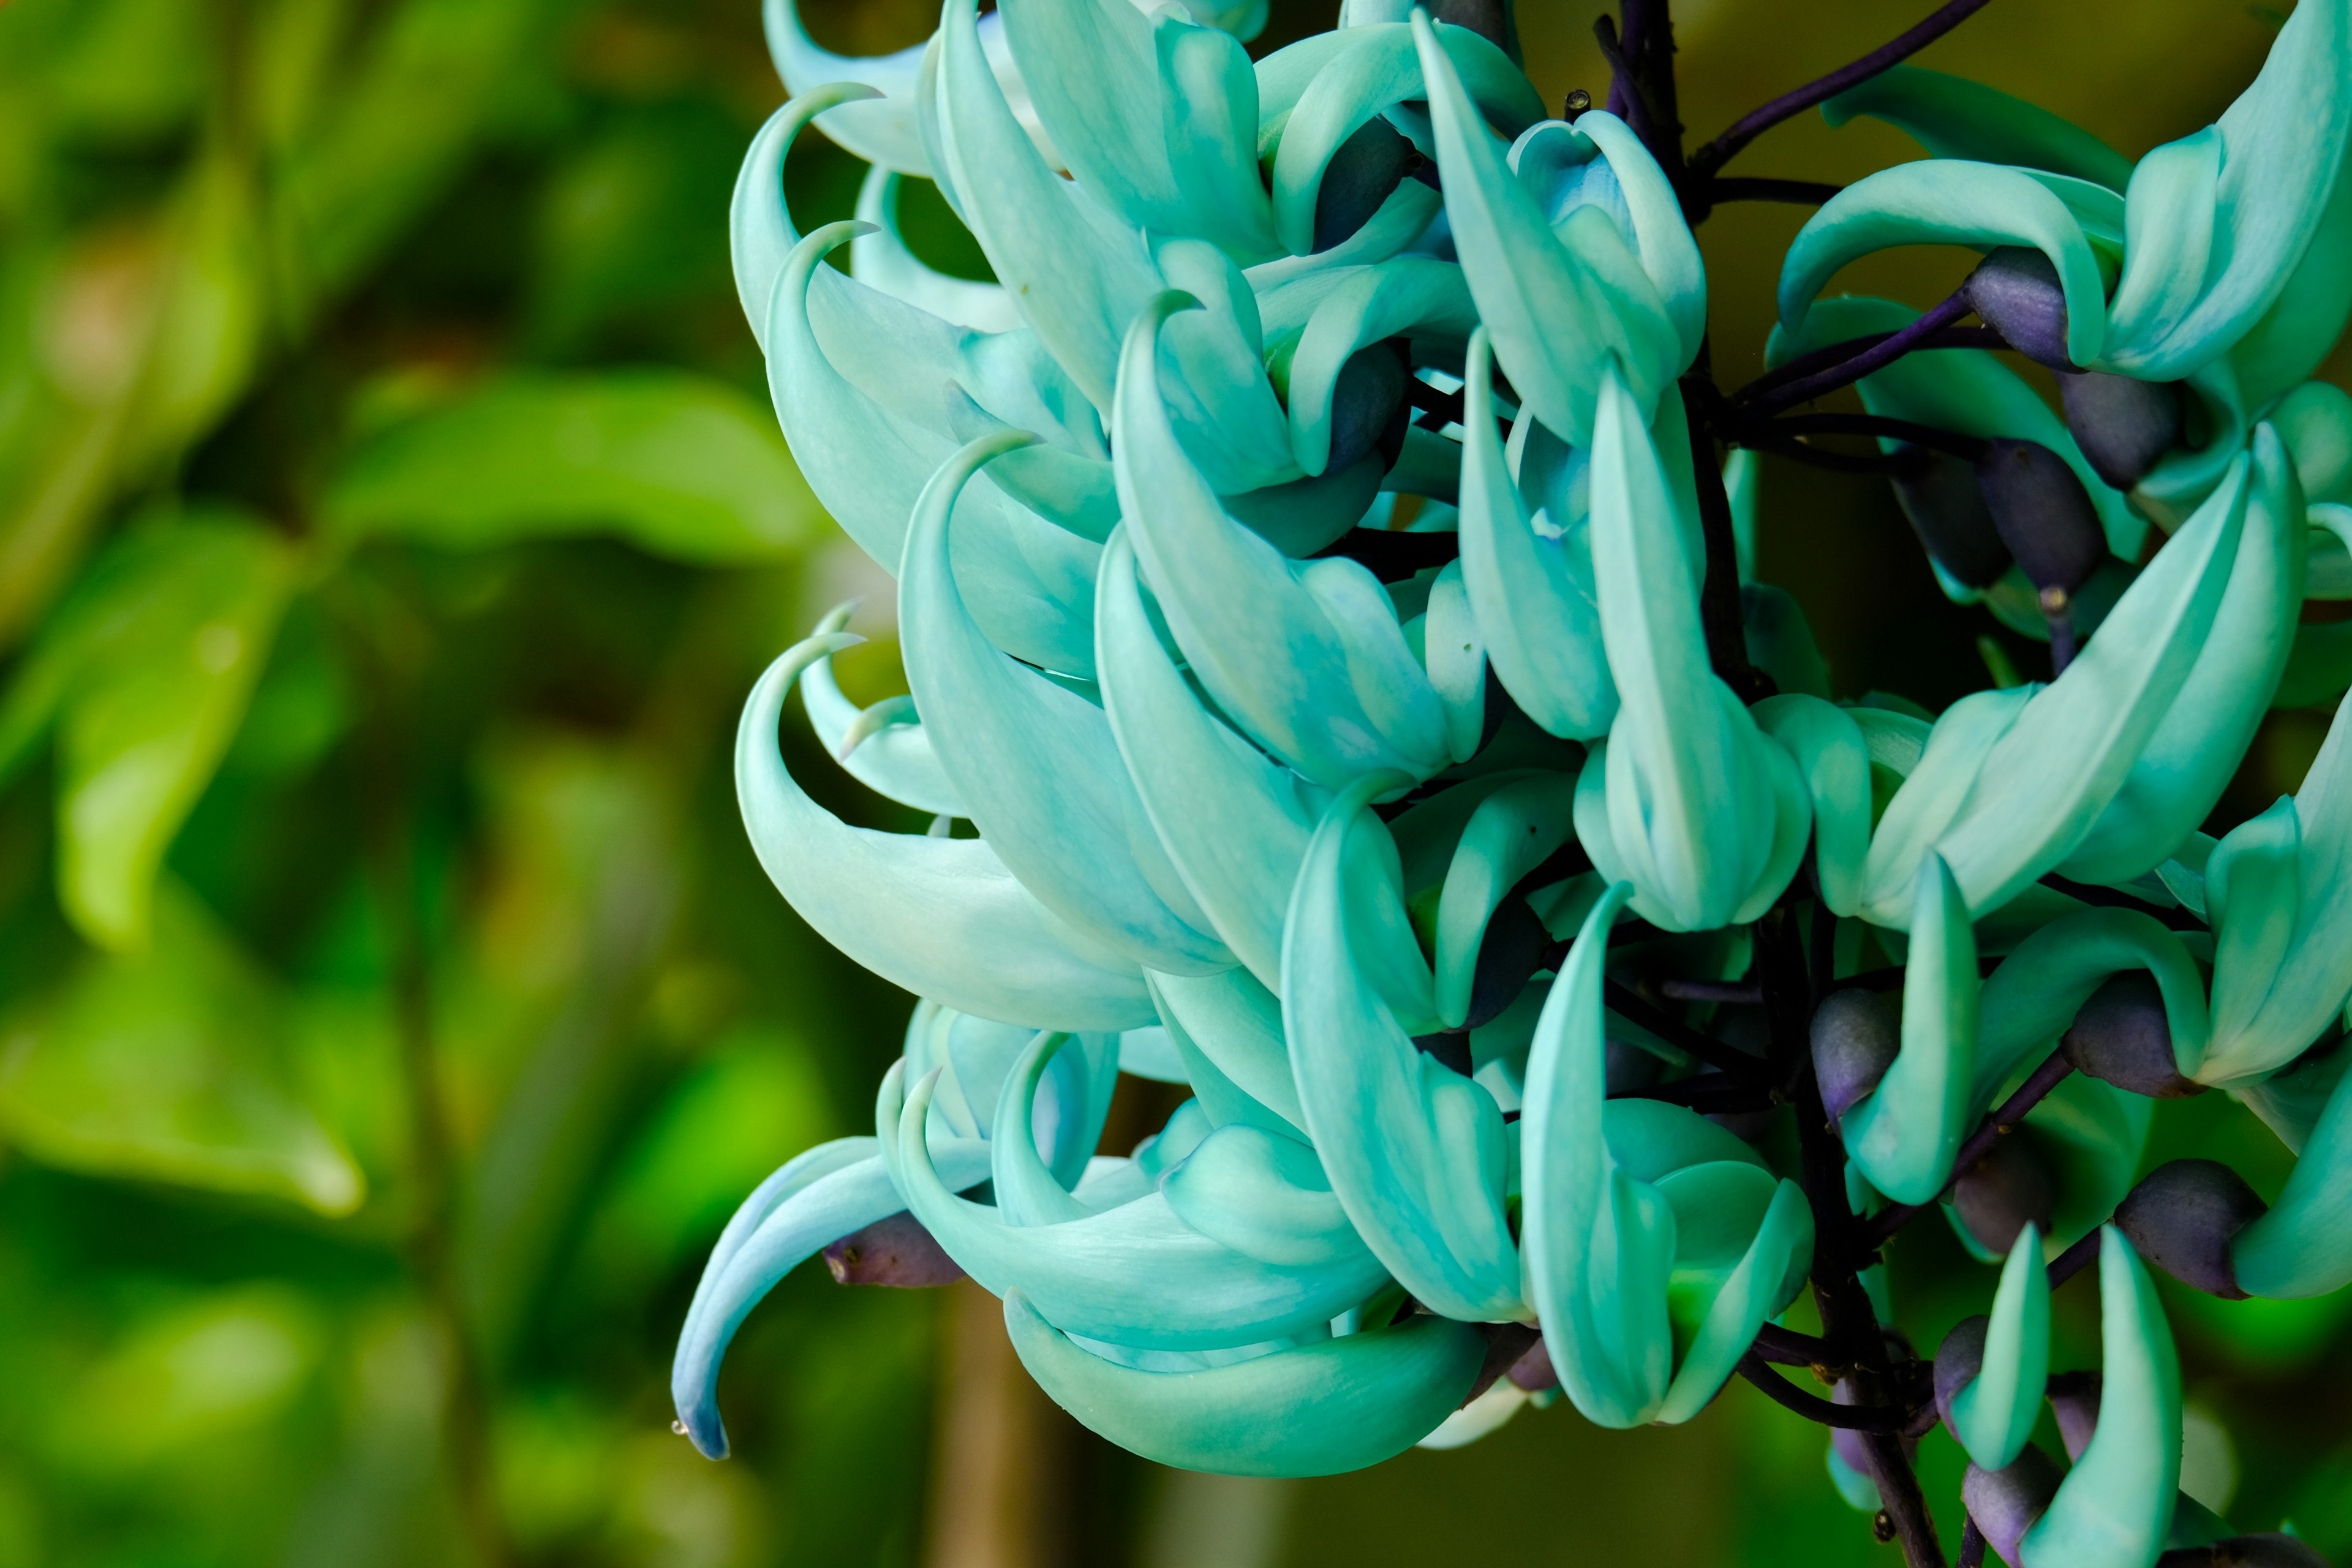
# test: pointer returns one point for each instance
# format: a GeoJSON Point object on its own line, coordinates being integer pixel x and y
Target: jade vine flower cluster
{"type": "Point", "coordinates": [1321, 589]}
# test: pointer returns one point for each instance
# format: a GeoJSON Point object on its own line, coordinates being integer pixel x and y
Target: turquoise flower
{"type": "Point", "coordinates": [1321, 590]}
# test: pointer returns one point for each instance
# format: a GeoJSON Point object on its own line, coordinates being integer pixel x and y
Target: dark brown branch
{"type": "Point", "coordinates": [1737, 992]}
{"type": "Point", "coordinates": [1878, 356]}
{"type": "Point", "coordinates": [1813, 1407]}
{"type": "Point", "coordinates": [1788, 105]}
{"type": "Point", "coordinates": [1789, 1348]}
{"type": "Point", "coordinates": [1837, 353]}
{"type": "Point", "coordinates": [1797, 193]}
{"type": "Point", "coordinates": [2071, 1262]}
{"type": "Point", "coordinates": [1968, 448]}
{"type": "Point", "coordinates": [1719, 594]}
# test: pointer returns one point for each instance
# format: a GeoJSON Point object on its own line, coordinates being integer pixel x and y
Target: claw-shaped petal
{"type": "Point", "coordinates": [1512, 832]}
{"type": "Point", "coordinates": [1993, 1414]}
{"type": "Point", "coordinates": [1953, 117]}
{"type": "Point", "coordinates": [882, 747]}
{"type": "Point", "coordinates": [2302, 1247]}
{"type": "Point", "coordinates": [1905, 1134]}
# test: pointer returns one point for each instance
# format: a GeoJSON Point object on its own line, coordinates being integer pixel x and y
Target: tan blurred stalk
{"type": "Point", "coordinates": [998, 1467]}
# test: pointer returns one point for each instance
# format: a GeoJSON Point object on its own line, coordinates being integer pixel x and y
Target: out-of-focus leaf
{"type": "Point", "coordinates": [208, 315]}
{"type": "Point", "coordinates": [106, 68]}
{"type": "Point", "coordinates": [191, 1373]}
{"type": "Point", "coordinates": [144, 672]}
{"type": "Point", "coordinates": [679, 464]}
{"type": "Point", "coordinates": [165, 1066]}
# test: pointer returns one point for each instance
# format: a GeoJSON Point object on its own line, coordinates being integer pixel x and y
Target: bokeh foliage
{"type": "Point", "coordinates": [390, 1011]}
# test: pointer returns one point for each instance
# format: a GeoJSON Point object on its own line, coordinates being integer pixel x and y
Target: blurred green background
{"type": "Point", "coordinates": [390, 1012]}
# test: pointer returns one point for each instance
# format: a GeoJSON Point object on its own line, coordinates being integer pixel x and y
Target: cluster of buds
{"type": "Point", "coordinates": [1320, 588]}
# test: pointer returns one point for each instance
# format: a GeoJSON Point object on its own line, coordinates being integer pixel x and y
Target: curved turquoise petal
{"type": "Point", "coordinates": [2033, 998]}
{"type": "Point", "coordinates": [1135, 1275]}
{"type": "Point", "coordinates": [804, 1208]}
{"type": "Point", "coordinates": [1235, 823]}
{"type": "Point", "coordinates": [1953, 117]}
{"type": "Point", "coordinates": [2302, 1247]}
{"type": "Point", "coordinates": [983, 944]}
{"type": "Point", "coordinates": [1512, 832]}
{"type": "Point", "coordinates": [1378, 66]}
{"type": "Point", "coordinates": [1994, 1415]}
{"type": "Point", "coordinates": [1026, 1192]}
{"type": "Point", "coordinates": [2115, 1506]}
{"type": "Point", "coordinates": [760, 234]}
{"type": "Point", "coordinates": [882, 131]}
{"type": "Point", "coordinates": [2278, 890]}
{"type": "Point", "coordinates": [1688, 800]}
{"type": "Point", "coordinates": [1235, 1023]}
{"type": "Point", "coordinates": [1454, 649]}
{"type": "Point", "coordinates": [1905, 1134]}
{"type": "Point", "coordinates": [1263, 1193]}
{"type": "Point", "coordinates": [1530, 582]}
{"type": "Point", "coordinates": [2045, 780]}
{"type": "Point", "coordinates": [1599, 161]}
{"type": "Point", "coordinates": [1307, 658]}
{"type": "Point", "coordinates": [2293, 338]}
{"type": "Point", "coordinates": [1770, 1271]}
{"type": "Point", "coordinates": [1934, 788]}
{"type": "Point", "coordinates": [1599, 1243]}
{"type": "Point", "coordinates": [2196, 750]}
{"type": "Point", "coordinates": [1320, 1409]}
{"type": "Point", "coordinates": [1649, 1138]}
{"type": "Point", "coordinates": [1378, 303]}
{"type": "Point", "coordinates": [882, 747]}
{"type": "Point", "coordinates": [2278, 155]}
{"type": "Point", "coordinates": [880, 259]}
{"type": "Point", "coordinates": [1416, 1152]}
{"type": "Point", "coordinates": [1943, 201]}
{"type": "Point", "coordinates": [1036, 762]}
{"type": "Point", "coordinates": [1559, 306]}
{"type": "Point", "coordinates": [1829, 751]}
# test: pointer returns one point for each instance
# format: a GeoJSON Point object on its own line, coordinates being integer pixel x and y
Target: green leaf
{"type": "Point", "coordinates": [678, 465]}
{"type": "Point", "coordinates": [144, 672]}
{"type": "Point", "coordinates": [163, 1065]}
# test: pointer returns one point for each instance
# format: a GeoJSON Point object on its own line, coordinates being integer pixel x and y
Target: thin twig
{"type": "Point", "coordinates": [1998, 1125]}
{"type": "Point", "coordinates": [1737, 1064]}
{"type": "Point", "coordinates": [2071, 1262]}
{"type": "Point", "coordinates": [1719, 594]}
{"type": "Point", "coordinates": [1789, 1348]}
{"type": "Point", "coordinates": [1788, 105]}
{"type": "Point", "coordinates": [1837, 353]}
{"type": "Point", "coordinates": [1813, 1407]}
{"type": "Point", "coordinates": [1878, 356]}
{"type": "Point", "coordinates": [1746, 188]}
{"type": "Point", "coordinates": [1736, 992]}
{"type": "Point", "coordinates": [1968, 448]}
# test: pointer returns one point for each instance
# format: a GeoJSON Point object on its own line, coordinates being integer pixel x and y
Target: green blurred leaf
{"type": "Point", "coordinates": [165, 1066]}
{"type": "Point", "coordinates": [145, 672]}
{"type": "Point", "coordinates": [193, 1373]}
{"type": "Point", "coordinates": [679, 464]}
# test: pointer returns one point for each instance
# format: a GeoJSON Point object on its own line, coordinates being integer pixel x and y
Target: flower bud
{"type": "Point", "coordinates": [1368, 166]}
{"type": "Point", "coordinates": [2001, 1193]}
{"type": "Point", "coordinates": [2005, 1503]}
{"type": "Point", "coordinates": [2123, 424]}
{"type": "Point", "coordinates": [1855, 1038]}
{"type": "Point", "coordinates": [2122, 1036]}
{"type": "Point", "coordinates": [1939, 494]}
{"type": "Point", "coordinates": [1533, 1370]}
{"type": "Point", "coordinates": [894, 1250]}
{"type": "Point", "coordinates": [1958, 1361]}
{"type": "Point", "coordinates": [2015, 291]}
{"type": "Point", "coordinates": [1366, 401]}
{"type": "Point", "coordinates": [2075, 1400]}
{"type": "Point", "coordinates": [2044, 516]}
{"type": "Point", "coordinates": [2181, 1218]}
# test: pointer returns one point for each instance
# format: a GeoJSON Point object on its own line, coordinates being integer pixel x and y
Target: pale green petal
{"type": "Point", "coordinates": [1955, 118]}
{"type": "Point", "coordinates": [1235, 1023]}
{"type": "Point", "coordinates": [1026, 1191]}
{"type": "Point", "coordinates": [1411, 294]}
{"type": "Point", "coordinates": [1995, 1413]}
{"type": "Point", "coordinates": [982, 942]}
{"type": "Point", "coordinates": [1830, 752]}
{"type": "Point", "coordinates": [1263, 1193]}
{"type": "Point", "coordinates": [2033, 998]}
{"type": "Point", "coordinates": [1599, 160]}
{"type": "Point", "coordinates": [2302, 1247]}
{"type": "Point", "coordinates": [1340, 1405]}
{"type": "Point", "coordinates": [881, 260]}
{"type": "Point", "coordinates": [882, 747]}
{"type": "Point", "coordinates": [1904, 1134]}
{"type": "Point", "coordinates": [1770, 1271]}
{"type": "Point", "coordinates": [1513, 831]}
{"type": "Point", "coordinates": [2115, 1505]}
{"type": "Point", "coordinates": [1454, 649]}
{"type": "Point", "coordinates": [880, 132]}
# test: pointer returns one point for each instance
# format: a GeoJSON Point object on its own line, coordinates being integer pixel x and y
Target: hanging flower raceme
{"type": "Point", "coordinates": [1320, 594]}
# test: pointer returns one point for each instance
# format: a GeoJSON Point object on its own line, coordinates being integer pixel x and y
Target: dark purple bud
{"type": "Point", "coordinates": [2075, 1400]}
{"type": "Point", "coordinates": [1490, 19]}
{"type": "Point", "coordinates": [896, 1251]}
{"type": "Point", "coordinates": [2123, 424]}
{"type": "Point", "coordinates": [2044, 516]}
{"type": "Point", "coordinates": [2000, 1193]}
{"type": "Point", "coordinates": [1507, 956]}
{"type": "Point", "coordinates": [2122, 1036]}
{"type": "Point", "coordinates": [2005, 1503]}
{"type": "Point", "coordinates": [2272, 1548]}
{"type": "Point", "coordinates": [2015, 292]}
{"type": "Point", "coordinates": [1533, 1371]}
{"type": "Point", "coordinates": [1506, 1346]}
{"type": "Point", "coordinates": [1368, 166]}
{"type": "Point", "coordinates": [1367, 405]}
{"type": "Point", "coordinates": [1959, 1359]}
{"type": "Point", "coordinates": [2181, 1216]}
{"type": "Point", "coordinates": [1939, 494]}
{"type": "Point", "coordinates": [1856, 1037]}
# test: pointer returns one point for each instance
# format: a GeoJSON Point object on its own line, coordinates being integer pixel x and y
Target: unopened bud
{"type": "Point", "coordinates": [2015, 291]}
{"type": "Point", "coordinates": [1939, 494]}
{"type": "Point", "coordinates": [1855, 1037]}
{"type": "Point", "coordinates": [2002, 1192]}
{"type": "Point", "coordinates": [1533, 1371]}
{"type": "Point", "coordinates": [2121, 423]}
{"type": "Point", "coordinates": [2074, 1401]}
{"type": "Point", "coordinates": [896, 1251]}
{"type": "Point", "coordinates": [2044, 514]}
{"type": "Point", "coordinates": [2122, 1036]}
{"type": "Point", "coordinates": [1958, 1361]}
{"type": "Point", "coordinates": [2005, 1503]}
{"type": "Point", "coordinates": [2181, 1218]}
{"type": "Point", "coordinates": [1368, 166]}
